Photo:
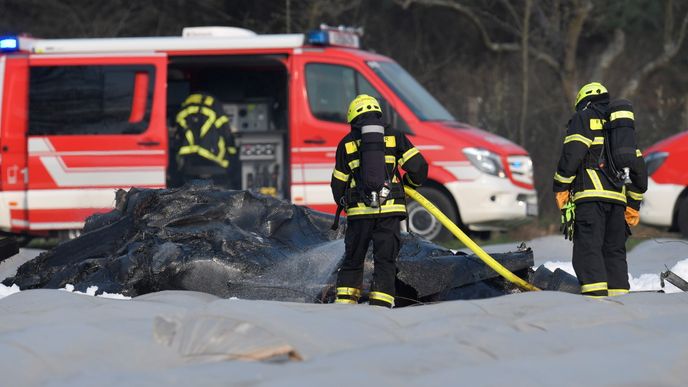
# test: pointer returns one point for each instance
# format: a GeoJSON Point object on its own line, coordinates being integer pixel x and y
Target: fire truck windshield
{"type": "Point", "coordinates": [419, 100]}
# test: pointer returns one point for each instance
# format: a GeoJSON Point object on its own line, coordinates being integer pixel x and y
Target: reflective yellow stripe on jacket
{"type": "Point", "coordinates": [562, 179]}
{"type": "Point", "coordinates": [340, 175]}
{"type": "Point", "coordinates": [386, 208]}
{"type": "Point", "coordinates": [578, 137]}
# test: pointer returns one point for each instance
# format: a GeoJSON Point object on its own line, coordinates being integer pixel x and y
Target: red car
{"type": "Point", "coordinates": [666, 200]}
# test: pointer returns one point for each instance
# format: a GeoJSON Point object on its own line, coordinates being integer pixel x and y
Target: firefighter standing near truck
{"type": "Point", "coordinates": [206, 144]}
{"type": "Point", "coordinates": [366, 183]}
{"type": "Point", "coordinates": [597, 209]}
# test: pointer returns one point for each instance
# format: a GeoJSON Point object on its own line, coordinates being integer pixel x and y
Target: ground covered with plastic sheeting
{"type": "Point", "coordinates": [240, 244]}
{"type": "Point", "coordinates": [51, 337]}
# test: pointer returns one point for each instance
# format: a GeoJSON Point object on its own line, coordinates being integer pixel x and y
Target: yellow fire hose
{"type": "Point", "coordinates": [489, 261]}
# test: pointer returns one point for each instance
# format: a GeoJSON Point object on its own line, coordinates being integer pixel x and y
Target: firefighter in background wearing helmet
{"type": "Point", "coordinates": [594, 210]}
{"type": "Point", "coordinates": [366, 182]}
{"type": "Point", "coordinates": [207, 150]}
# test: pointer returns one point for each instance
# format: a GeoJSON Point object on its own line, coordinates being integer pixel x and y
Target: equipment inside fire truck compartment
{"type": "Point", "coordinates": [253, 93]}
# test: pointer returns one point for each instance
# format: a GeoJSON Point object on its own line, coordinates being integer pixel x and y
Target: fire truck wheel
{"type": "Point", "coordinates": [422, 222]}
{"type": "Point", "coordinates": [682, 218]}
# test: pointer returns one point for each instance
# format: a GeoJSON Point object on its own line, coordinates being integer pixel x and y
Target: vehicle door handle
{"type": "Point", "coordinates": [317, 141]}
{"type": "Point", "coordinates": [149, 143]}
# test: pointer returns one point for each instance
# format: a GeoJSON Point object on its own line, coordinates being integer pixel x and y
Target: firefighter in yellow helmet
{"type": "Point", "coordinates": [596, 208]}
{"type": "Point", "coordinates": [207, 149]}
{"type": "Point", "coordinates": [366, 182]}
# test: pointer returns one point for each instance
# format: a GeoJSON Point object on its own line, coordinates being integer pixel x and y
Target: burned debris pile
{"type": "Point", "coordinates": [240, 244]}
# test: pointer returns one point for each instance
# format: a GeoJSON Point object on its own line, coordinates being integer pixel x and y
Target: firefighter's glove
{"type": "Point", "coordinates": [632, 216]}
{"type": "Point", "coordinates": [568, 218]}
{"type": "Point", "coordinates": [562, 198]}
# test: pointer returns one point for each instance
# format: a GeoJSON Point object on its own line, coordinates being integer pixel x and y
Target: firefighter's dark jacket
{"type": "Point", "coordinates": [206, 130]}
{"type": "Point", "coordinates": [578, 170]}
{"type": "Point", "coordinates": [399, 152]}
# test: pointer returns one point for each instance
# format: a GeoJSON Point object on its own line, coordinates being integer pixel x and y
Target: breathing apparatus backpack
{"type": "Point", "coordinates": [373, 179]}
{"type": "Point", "coordinates": [620, 144]}
{"type": "Point", "coordinates": [619, 151]}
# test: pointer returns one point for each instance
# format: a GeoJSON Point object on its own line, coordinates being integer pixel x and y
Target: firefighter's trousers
{"type": "Point", "coordinates": [385, 234]}
{"type": "Point", "coordinates": [599, 249]}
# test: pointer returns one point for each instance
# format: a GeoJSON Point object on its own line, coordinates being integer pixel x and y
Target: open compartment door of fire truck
{"type": "Point", "coordinates": [96, 123]}
{"type": "Point", "coordinates": [13, 178]}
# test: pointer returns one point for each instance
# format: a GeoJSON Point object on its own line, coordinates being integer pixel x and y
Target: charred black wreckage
{"type": "Point", "coordinates": [240, 244]}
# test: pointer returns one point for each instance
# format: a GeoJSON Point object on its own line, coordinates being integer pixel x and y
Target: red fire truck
{"type": "Point", "coordinates": [665, 203]}
{"type": "Point", "coordinates": [81, 118]}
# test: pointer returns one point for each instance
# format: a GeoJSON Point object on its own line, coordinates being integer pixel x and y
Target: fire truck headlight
{"type": "Point", "coordinates": [486, 161]}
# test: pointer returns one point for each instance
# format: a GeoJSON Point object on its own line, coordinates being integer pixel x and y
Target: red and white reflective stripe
{"type": "Point", "coordinates": [9, 201]}
{"type": "Point", "coordinates": [314, 149]}
{"type": "Point", "coordinates": [309, 194]}
{"type": "Point", "coordinates": [429, 147]}
{"type": "Point", "coordinates": [53, 199]}
{"type": "Point", "coordinates": [64, 176]}
{"type": "Point", "coordinates": [312, 173]}
{"type": "Point", "coordinates": [461, 170]}
{"type": "Point", "coordinates": [52, 209]}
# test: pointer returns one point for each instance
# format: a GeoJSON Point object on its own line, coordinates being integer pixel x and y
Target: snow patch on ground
{"type": "Point", "coordinates": [6, 291]}
{"type": "Point", "coordinates": [92, 290]}
{"type": "Point", "coordinates": [644, 282]}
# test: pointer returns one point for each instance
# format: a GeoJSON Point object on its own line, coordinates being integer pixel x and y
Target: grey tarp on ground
{"type": "Point", "coordinates": [51, 337]}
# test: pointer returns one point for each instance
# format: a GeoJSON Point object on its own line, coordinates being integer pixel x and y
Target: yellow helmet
{"type": "Point", "coordinates": [593, 88]}
{"type": "Point", "coordinates": [363, 103]}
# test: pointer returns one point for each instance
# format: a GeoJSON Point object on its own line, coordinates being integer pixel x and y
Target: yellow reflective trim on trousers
{"type": "Point", "coordinates": [622, 114]}
{"type": "Point", "coordinates": [354, 164]}
{"type": "Point", "coordinates": [384, 209]}
{"type": "Point", "coordinates": [634, 195]}
{"type": "Point", "coordinates": [350, 147]}
{"type": "Point", "coordinates": [578, 137]}
{"type": "Point", "coordinates": [598, 141]}
{"type": "Point", "coordinates": [390, 142]}
{"type": "Point", "coordinates": [594, 287]}
{"type": "Point", "coordinates": [380, 296]}
{"type": "Point", "coordinates": [345, 291]}
{"type": "Point", "coordinates": [344, 301]}
{"type": "Point", "coordinates": [594, 296]}
{"type": "Point", "coordinates": [596, 124]}
{"type": "Point", "coordinates": [340, 176]}
{"type": "Point", "coordinates": [604, 194]}
{"type": "Point", "coordinates": [407, 155]}
{"type": "Point", "coordinates": [617, 292]}
{"type": "Point", "coordinates": [638, 153]}
{"type": "Point", "coordinates": [390, 159]}
{"type": "Point", "coordinates": [232, 150]}
{"type": "Point", "coordinates": [595, 179]}
{"type": "Point", "coordinates": [562, 179]}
